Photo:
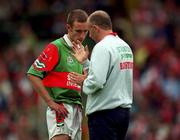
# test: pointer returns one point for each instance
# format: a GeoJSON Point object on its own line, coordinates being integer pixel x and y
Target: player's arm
{"type": "Point", "coordinates": [39, 88]}
{"type": "Point", "coordinates": [43, 64]}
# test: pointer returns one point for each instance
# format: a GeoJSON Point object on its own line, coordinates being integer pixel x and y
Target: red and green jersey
{"type": "Point", "coordinates": [53, 66]}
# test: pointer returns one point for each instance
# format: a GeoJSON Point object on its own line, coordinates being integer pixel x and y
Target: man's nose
{"type": "Point", "coordinates": [83, 34]}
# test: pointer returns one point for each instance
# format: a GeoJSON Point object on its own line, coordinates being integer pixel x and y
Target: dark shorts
{"type": "Point", "coordinates": [109, 124]}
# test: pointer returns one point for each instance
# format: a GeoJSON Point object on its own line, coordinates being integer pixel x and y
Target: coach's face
{"type": "Point", "coordinates": [77, 31]}
{"type": "Point", "coordinates": [93, 31]}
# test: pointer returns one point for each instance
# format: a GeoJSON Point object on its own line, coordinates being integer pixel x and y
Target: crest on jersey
{"type": "Point", "coordinates": [70, 60]}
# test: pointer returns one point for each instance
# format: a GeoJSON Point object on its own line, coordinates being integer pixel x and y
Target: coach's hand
{"type": "Point", "coordinates": [77, 78]}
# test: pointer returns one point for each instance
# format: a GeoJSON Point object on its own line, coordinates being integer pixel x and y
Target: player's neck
{"type": "Point", "coordinates": [69, 37]}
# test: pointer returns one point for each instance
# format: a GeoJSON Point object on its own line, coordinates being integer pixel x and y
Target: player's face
{"type": "Point", "coordinates": [78, 31]}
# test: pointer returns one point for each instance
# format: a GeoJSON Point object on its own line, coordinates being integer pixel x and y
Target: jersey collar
{"type": "Point", "coordinates": [67, 40]}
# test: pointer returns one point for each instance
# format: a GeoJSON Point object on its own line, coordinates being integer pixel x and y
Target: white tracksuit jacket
{"type": "Point", "coordinates": [110, 77]}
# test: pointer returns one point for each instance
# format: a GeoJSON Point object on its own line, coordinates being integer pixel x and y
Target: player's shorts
{"type": "Point", "coordinates": [71, 125]}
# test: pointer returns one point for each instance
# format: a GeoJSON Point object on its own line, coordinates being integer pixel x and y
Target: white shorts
{"type": "Point", "coordinates": [71, 125]}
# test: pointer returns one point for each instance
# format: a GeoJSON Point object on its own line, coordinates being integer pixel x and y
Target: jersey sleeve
{"type": "Point", "coordinates": [35, 72]}
{"type": "Point", "coordinates": [45, 62]}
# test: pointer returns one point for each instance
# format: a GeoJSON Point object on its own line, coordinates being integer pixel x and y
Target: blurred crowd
{"type": "Point", "coordinates": [151, 27]}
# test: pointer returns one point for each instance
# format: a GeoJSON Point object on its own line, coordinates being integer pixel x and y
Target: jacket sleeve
{"type": "Point", "coordinates": [98, 70]}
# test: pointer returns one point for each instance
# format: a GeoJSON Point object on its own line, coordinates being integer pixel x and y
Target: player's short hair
{"type": "Point", "coordinates": [101, 19]}
{"type": "Point", "coordinates": [76, 15]}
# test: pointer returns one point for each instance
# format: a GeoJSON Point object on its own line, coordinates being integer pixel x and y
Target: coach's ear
{"type": "Point", "coordinates": [97, 28]}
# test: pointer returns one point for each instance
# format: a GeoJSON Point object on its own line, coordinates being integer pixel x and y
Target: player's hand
{"type": "Point", "coordinates": [80, 53]}
{"type": "Point", "coordinates": [77, 78]}
{"type": "Point", "coordinates": [59, 108]}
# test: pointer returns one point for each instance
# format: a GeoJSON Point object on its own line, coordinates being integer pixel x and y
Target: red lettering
{"type": "Point", "coordinates": [126, 65]}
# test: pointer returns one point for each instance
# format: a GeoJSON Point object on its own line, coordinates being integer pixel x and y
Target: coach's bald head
{"type": "Point", "coordinates": [101, 19]}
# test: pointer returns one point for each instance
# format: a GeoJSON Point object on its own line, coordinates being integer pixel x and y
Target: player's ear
{"type": "Point", "coordinates": [68, 27]}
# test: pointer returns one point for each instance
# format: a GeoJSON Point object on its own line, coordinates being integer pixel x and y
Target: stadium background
{"type": "Point", "coordinates": [151, 27]}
